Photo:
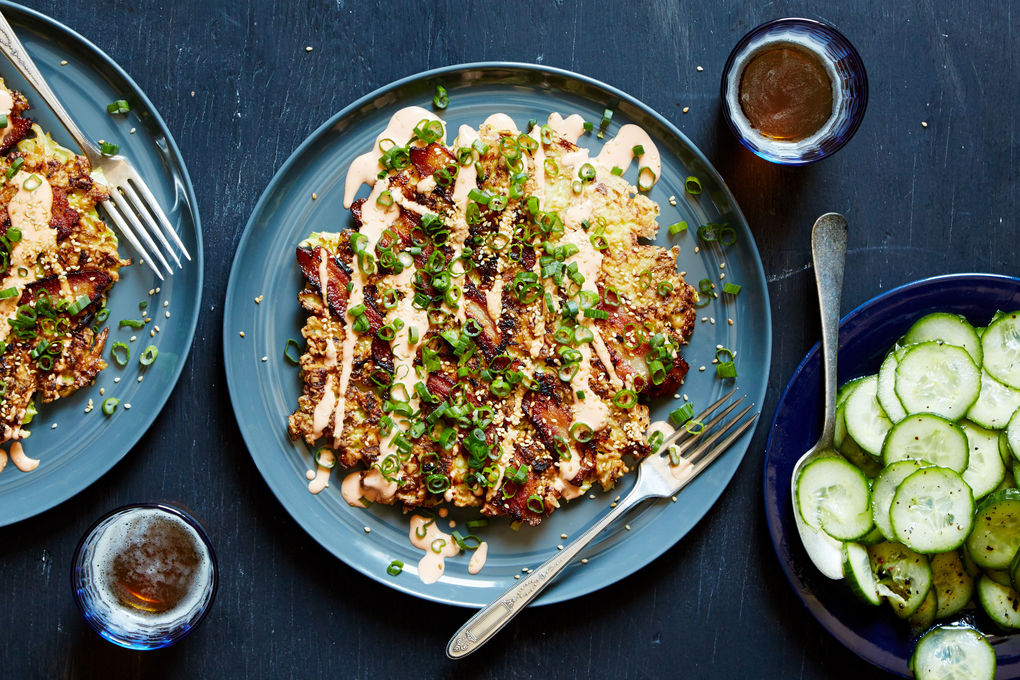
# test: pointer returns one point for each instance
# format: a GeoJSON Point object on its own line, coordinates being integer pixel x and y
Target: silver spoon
{"type": "Point", "coordinates": [828, 251]}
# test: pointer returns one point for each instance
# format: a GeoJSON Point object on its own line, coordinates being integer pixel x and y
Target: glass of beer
{"type": "Point", "coordinates": [144, 575]}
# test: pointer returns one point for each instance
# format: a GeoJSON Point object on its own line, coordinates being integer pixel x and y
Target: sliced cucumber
{"type": "Point", "coordinates": [995, 540]}
{"type": "Point", "coordinates": [839, 427]}
{"type": "Point", "coordinates": [926, 437]}
{"type": "Point", "coordinates": [1000, 576]}
{"type": "Point", "coordinates": [932, 510]}
{"type": "Point", "coordinates": [883, 490]}
{"type": "Point", "coordinates": [864, 461]}
{"type": "Point", "coordinates": [925, 615]}
{"type": "Point", "coordinates": [1013, 434]}
{"type": "Point", "coordinates": [995, 404]}
{"type": "Point", "coordinates": [903, 576]}
{"type": "Point", "coordinates": [1001, 346]}
{"type": "Point", "coordinates": [886, 390]}
{"type": "Point", "coordinates": [951, 329]}
{"type": "Point", "coordinates": [937, 378]}
{"type": "Point", "coordinates": [1004, 453]}
{"type": "Point", "coordinates": [857, 568]}
{"type": "Point", "coordinates": [984, 465]}
{"type": "Point", "coordinates": [834, 496]}
{"type": "Point", "coordinates": [843, 392]}
{"type": "Point", "coordinates": [873, 537]}
{"type": "Point", "coordinates": [953, 652]}
{"type": "Point", "coordinates": [951, 583]}
{"type": "Point", "coordinates": [866, 422]}
{"type": "Point", "coordinates": [1014, 571]}
{"type": "Point", "coordinates": [1001, 603]}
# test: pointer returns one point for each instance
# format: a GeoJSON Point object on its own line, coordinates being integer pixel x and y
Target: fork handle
{"type": "Point", "coordinates": [15, 51]}
{"type": "Point", "coordinates": [491, 619]}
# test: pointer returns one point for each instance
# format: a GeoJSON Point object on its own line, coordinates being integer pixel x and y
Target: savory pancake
{"type": "Point", "coordinates": [486, 333]}
{"type": "Point", "coordinates": [57, 262]}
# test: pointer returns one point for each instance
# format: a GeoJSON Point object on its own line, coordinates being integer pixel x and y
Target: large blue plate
{"type": "Point", "coordinates": [264, 393]}
{"type": "Point", "coordinates": [865, 335]}
{"type": "Point", "coordinates": [85, 445]}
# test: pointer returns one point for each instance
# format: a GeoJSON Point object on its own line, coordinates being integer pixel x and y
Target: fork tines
{"type": "Point", "coordinates": [128, 210]}
{"type": "Point", "coordinates": [698, 449]}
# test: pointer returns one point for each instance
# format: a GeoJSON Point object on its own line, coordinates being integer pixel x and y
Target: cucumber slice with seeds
{"type": "Point", "coordinates": [903, 576]}
{"type": "Point", "coordinates": [1001, 603]}
{"type": "Point", "coordinates": [951, 583]}
{"type": "Point", "coordinates": [922, 619]}
{"type": "Point", "coordinates": [886, 391]}
{"type": "Point", "coordinates": [934, 377]}
{"type": "Point", "coordinates": [995, 404]}
{"type": "Point", "coordinates": [857, 567]}
{"type": "Point", "coordinates": [866, 422]}
{"type": "Point", "coordinates": [834, 496]}
{"type": "Point", "coordinates": [932, 510]}
{"type": "Point", "coordinates": [1000, 576]}
{"type": "Point", "coordinates": [883, 490]}
{"type": "Point", "coordinates": [1001, 346]}
{"type": "Point", "coordinates": [985, 470]}
{"type": "Point", "coordinates": [953, 652]}
{"type": "Point", "coordinates": [951, 329]}
{"type": "Point", "coordinates": [995, 540]}
{"type": "Point", "coordinates": [926, 437]}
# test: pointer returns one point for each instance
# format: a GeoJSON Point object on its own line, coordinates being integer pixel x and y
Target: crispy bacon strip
{"type": "Point", "coordinates": [475, 308]}
{"type": "Point", "coordinates": [17, 128]}
{"type": "Point", "coordinates": [90, 282]}
{"type": "Point", "coordinates": [65, 219]}
{"type": "Point", "coordinates": [550, 418]}
{"type": "Point", "coordinates": [431, 159]}
{"type": "Point", "coordinates": [336, 292]}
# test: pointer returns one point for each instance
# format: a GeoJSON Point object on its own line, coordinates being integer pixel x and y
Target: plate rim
{"type": "Point", "coordinates": [49, 501]}
{"type": "Point", "coordinates": [774, 522]}
{"type": "Point", "coordinates": [549, 597]}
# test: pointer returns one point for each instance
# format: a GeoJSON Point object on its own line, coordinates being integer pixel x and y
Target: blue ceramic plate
{"type": "Point", "coordinates": [865, 335]}
{"type": "Point", "coordinates": [264, 393]}
{"type": "Point", "coordinates": [85, 445]}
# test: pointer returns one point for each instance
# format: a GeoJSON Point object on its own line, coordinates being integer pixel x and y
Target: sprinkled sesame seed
{"type": "Point", "coordinates": [673, 498]}
{"type": "Point", "coordinates": [584, 560]}
{"type": "Point", "coordinates": [686, 109]}
{"type": "Point", "coordinates": [127, 406]}
{"type": "Point", "coordinates": [166, 303]}
{"type": "Point", "coordinates": [368, 530]}
{"type": "Point", "coordinates": [156, 328]}
{"type": "Point", "coordinates": [517, 576]}
{"type": "Point", "coordinates": [140, 378]}
{"type": "Point", "coordinates": [676, 396]}
{"type": "Point", "coordinates": [563, 536]}
{"type": "Point", "coordinates": [591, 496]}
{"type": "Point", "coordinates": [258, 300]}
{"type": "Point", "coordinates": [116, 380]}
{"type": "Point", "coordinates": [722, 265]}
{"type": "Point", "coordinates": [63, 62]}
{"type": "Point", "coordinates": [315, 196]}
{"type": "Point", "coordinates": [683, 273]}
{"type": "Point", "coordinates": [627, 527]}
{"type": "Point", "coordinates": [700, 69]}
{"type": "Point", "coordinates": [308, 49]}
{"type": "Point", "coordinates": [612, 505]}
{"type": "Point", "coordinates": [241, 334]}
{"type": "Point", "coordinates": [133, 338]}
{"type": "Point", "coordinates": [265, 359]}
{"type": "Point", "coordinates": [157, 289]}
{"type": "Point", "coordinates": [131, 131]}
{"type": "Point", "coordinates": [701, 368]}
{"type": "Point", "coordinates": [924, 124]}
{"type": "Point", "coordinates": [524, 569]}
{"type": "Point", "coordinates": [102, 391]}
{"type": "Point", "coordinates": [152, 334]}
{"type": "Point", "coordinates": [167, 315]}
{"type": "Point", "coordinates": [722, 276]}
{"type": "Point", "coordinates": [53, 426]}
{"type": "Point", "coordinates": [697, 249]}
{"type": "Point", "coordinates": [152, 291]}
{"type": "Point", "coordinates": [559, 547]}
{"type": "Point", "coordinates": [711, 320]}
{"type": "Point", "coordinates": [730, 321]}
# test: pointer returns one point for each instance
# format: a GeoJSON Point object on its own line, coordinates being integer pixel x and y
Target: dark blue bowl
{"type": "Point", "coordinates": [865, 335]}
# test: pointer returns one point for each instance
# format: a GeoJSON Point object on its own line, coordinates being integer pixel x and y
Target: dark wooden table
{"type": "Point", "coordinates": [920, 201]}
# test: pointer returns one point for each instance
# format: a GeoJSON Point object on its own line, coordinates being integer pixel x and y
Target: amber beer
{"type": "Point", "coordinates": [144, 576]}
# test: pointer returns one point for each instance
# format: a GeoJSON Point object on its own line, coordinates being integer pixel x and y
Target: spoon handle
{"type": "Point", "coordinates": [828, 251]}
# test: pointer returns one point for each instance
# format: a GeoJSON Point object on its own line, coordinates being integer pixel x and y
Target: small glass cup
{"type": "Point", "coordinates": [99, 590]}
{"type": "Point", "coordinates": [841, 59]}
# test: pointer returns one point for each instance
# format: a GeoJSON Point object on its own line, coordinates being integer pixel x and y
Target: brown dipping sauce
{"type": "Point", "coordinates": [785, 92]}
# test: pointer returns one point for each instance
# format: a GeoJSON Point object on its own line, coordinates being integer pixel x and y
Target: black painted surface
{"type": "Point", "coordinates": [920, 201]}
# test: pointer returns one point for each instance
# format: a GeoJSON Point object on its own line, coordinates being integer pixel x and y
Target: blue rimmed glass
{"type": "Point", "coordinates": [113, 622]}
{"type": "Point", "coordinates": [851, 82]}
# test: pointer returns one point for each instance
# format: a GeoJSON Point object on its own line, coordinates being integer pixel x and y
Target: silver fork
{"type": "Point", "coordinates": [658, 477]}
{"type": "Point", "coordinates": [132, 203]}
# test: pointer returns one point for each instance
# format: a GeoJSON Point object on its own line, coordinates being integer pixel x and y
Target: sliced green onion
{"type": "Point", "coordinates": [79, 304]}
{"type": "Point", "coordinates": [607, 117]}
{"type": "Point", "coordinates": [581, 432]}
{"type": "Point", "coordinates": [731, 288]}
{"type": "Point", "coordinates": [440, 99]}
{"type": "Point", "coordinates": [646, 178]}
{"type": "Point", "coordinates": [587, 172]}
{"type": "Point", "coordinates": [681, 415]}
{"type": "Point", "coordinates": [13, 234]}
{"type": "Point", "coordinates": [655, 441]}
{"type": "Point", "coordinates": [477, 523]}
{"type": "Point", "coordinates": [625, 398]}
{"type": "Point", "coordinates": [638, 150]}
{"type": "Point", "coordinates": [132, 323]}
{"type": "Point", "coordinates": [102, 315]}
{"type": "Point", "coordinates": [536, 504]}
{"type": "Point", "coordinates": [395, 568]}
{"type": "Point", "coordinates": [120, 353]}
{"type": "Point", "coordinates": [15, 166]}
{"type": "Point", "coordinates": [692, 185]}
{"type": "Point", "coordinates": [675, 229]}
{"type": "Point", "coordinates": [591, 313]}
{"type": "Point", "coordinates": [664, 288]}
{"type": "Point", "coordinates": [727, 236]}
{"type": "Point", "coordinates": [384, 199]}
{"type": "Point", "coordinates": [8, 292]}
{"type": "Point", "coordinates": [32, 183]}
{"type": "Point", "coordinates": [3, 120]}
{"type": "Point", "coordinates": [148, 355]}
{"type": "Point", "coordinates": [317, 458]}
{"type": "Point", "coordinates": [292, 351]}
{"type": "Point", "coordinates": [726, 369]}
{"type": "Point", "coordinates": [110, 405]}
{"type": "Point", "coordinates": [119, 106]}
{"type": "Point", "coordinates": [694, 427]}
{"type": "Point", "coordinates": [108, 149]}
{"type": "Point", "coordinates": [617, 171]}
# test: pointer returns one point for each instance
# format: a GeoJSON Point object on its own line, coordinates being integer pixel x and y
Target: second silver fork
{"type": "Point", "coordinates": [658, 477]}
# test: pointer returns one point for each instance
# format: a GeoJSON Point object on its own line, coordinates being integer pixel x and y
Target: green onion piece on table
{"type": "Point", "coordinates": [110, 405]}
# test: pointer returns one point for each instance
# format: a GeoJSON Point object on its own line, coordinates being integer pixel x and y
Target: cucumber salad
{"type": "Point", "coordinates": [923, 494]}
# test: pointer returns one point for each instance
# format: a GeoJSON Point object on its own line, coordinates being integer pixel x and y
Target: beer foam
{"type": "Point", "coordinates": [779, 146]}
{"type": "Point", "coordinates": [122, 532]}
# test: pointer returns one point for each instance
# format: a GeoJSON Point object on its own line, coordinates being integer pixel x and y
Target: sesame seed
{"type": "Point", "coordinates": [368, 530]}
{"type": "Point", "coordinates": [673, 498]}
{"type": "Point", "coordinates": [258, 300]}
{"type": "Point", "coordinates": [730, 321]}
{"type": "Point", "coordinates": [127, 406]}
{"type": "Point", "coordinates": [152, 291]}
{"type": "Point", "coordinates": [131, 131]}
{"type": "Point", "coordinates": [315, 196]}
{"type": "Point", "coordinates": [63, 62]}
{"type": "Point", "coordinates": [711, 320]}
{"type": "Point", "coordinates": [722, 276]}
{"type": "Point", "coordinates": [559, 547]}
{"type": "Point", "coordinates": [517, 576]}
{"type": "Point", "coordinates": [116, 380]}
{"type": "Point", "coordinates": [591, 496]}
{"type": "Point", "coordinates": [102, 391]}
{"type": "Point", "coordinates": [701, 368]}
{"type": "Point", "coordinates": [157, 289]}
{"type": "Point", "coordinates": [722, 265]}
{"type": "Point", "coordinates": [264, 359]}
{"type": "Point", "coordinates": [700, 69]}
{"type": "Point", "coordinates": [563, 536]}
{"type": "Point", "coordinates": [53, 426]}
{"type": "Point", "coordinates": [167, 315]}
{"type": "Point", "coordinates": [697, 249]}
{"type": "Point", "coordinates": [616, 499]}
{"type": "Point", "coordinates": [924, 124]}
{"type": "Point", "coordinates": [676, 396]}
{"type": "Point", "coordinates": [686, 109]}
{"type": "Point", "coordinates": [242, 334]}
{"type": "Point", "coordinates": [308, 49]}
{"type": "Point", "coordinates": [133, 338]}
{"type": "Point", "coordinates": [140, 378]}
{"type": "Point", "coordinates": [152, 334]}
{"type": "Point", "coordinates": [612, 505]}
{"type": "Point", "coordinates": [166, 303]}
{"type": "Point", "coordinates": [627, 527]}
{"type": "Point", "coordinates": [683, 273]}
{"type": "Point", "coordinates": [584, 560]}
